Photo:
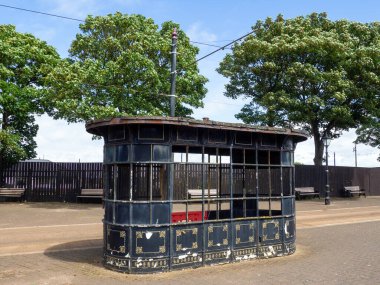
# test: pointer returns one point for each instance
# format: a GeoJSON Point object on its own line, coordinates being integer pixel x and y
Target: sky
{"type": "Point", "coordinates": [209, 21]}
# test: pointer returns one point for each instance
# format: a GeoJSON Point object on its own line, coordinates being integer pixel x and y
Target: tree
{"type": "Point", "coordinates": [369, 132]}
{"type": "Point", "coordinates": [24, 63]}
{"type": "Point", "coordinates": [120, 65]}
{"type": "Point", "coordinates": [308, 72]}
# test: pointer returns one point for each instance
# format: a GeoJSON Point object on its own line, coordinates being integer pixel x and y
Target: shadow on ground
{"type": "Point", "coordinates": [84, 251]}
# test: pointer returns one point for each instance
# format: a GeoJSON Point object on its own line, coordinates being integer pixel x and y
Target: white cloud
{"type": "Point", "coordinates": [197, 33]}
{"type": "Point", "coordinates": [343, 150]}
{"type": "Point", "coordinates": [58, 141]}
{"type": "Point", "coordinates": [74, 9]}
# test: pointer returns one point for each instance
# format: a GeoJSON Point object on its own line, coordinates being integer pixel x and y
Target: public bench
{"type": "Point", "coordinates": [90, 193]}
{"type": "Point", "coordinates": [197, 193]}
{"type": "Point", "coordinates": [12, 192]}
{"type": "Point", "coordinates": [351, 190]}
{"type": "Point", "coordinates": [306, 191]}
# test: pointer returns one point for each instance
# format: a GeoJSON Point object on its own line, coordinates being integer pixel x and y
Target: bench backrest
{"type": "Point", "coordinates": [12, 191]}
{"type": "Point", "coordinates": [198, 192]}
{"type": "Point", "coordinates": [305, 189]}
{"type": "Point", "coordinates": [352, 188]}
{"type": "Point", "coordinates": [92, 192]}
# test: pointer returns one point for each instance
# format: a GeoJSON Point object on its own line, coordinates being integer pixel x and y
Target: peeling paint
{"type": "Point", "coordinates": [148, 235]}
{"type": "Point", "coordinates": [228, 254]}
{"type": "Point", "coordinates": [183, 256]}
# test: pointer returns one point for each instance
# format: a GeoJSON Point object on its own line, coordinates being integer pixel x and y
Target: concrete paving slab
{"type": "Point", "coordinates": [56, 243]}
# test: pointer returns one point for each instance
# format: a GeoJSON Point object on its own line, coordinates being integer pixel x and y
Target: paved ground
{"type": "Point", "coordinates": [54, 243]}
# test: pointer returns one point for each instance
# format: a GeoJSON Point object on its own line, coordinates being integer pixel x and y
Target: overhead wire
{"type": "Point", "coordinates": [83, 21]}
{"type": "Point", "coordinates": [42, 13]}
{"type": "Point", "coordinates": [219, 48]}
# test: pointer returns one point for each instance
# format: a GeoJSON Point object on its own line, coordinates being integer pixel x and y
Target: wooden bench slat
{"type": "Point", "coordinates": [90, 193]}
{"type": "Point", "coordinates": [198, 193]}
{"type": "Point", "coordinates": [306, 191]}
{"type": "Point", "coordinates": [350, 190]}
{"type": "Point", "coordinates": [12, 192]}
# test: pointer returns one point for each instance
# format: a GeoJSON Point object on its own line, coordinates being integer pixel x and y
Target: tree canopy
{"type": "Point", "coordinates": [24, 63]}
{"type": "Point", "coordinates": [120, 65]}
{"type": "Point", "coordinates": [308, 72]}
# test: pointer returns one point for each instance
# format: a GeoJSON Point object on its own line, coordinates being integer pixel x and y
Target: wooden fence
{"type": "Point", "coordinates": [48, 181]}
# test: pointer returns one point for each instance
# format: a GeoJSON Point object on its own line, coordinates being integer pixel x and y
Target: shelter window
{"type": "Point", "coordinates": [288, 144]}
{"type": "Point", "coordinates": [269, 140]}
{"type": "Point", "coordinates": [187, 134]}
{"type": "Point", "coordinates": [116, 153]}
{"type": "Point", "coordinates": [116, 133]}
{"type": "Point", "coordinates": [243, 138]}
{"type": "Point", "coordinates": [151, 132]}
{"type": "Point", "coordinates": [217, 136]}
{"type": "Point", "coordinates": [287, 158]}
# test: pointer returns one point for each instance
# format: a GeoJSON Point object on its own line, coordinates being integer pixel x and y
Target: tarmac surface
{"type": "Point", "coordinates": [61, 244]}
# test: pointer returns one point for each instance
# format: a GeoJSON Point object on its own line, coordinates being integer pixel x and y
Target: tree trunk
{"type": "Point", "coordinates": [318, 148]}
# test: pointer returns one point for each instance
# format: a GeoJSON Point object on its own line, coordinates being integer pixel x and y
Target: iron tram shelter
{"type": "Point", "coordinates": [184, 193]}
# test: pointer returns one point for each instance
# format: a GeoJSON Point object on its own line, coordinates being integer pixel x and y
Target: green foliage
{"type": "Point", "coordinates": [120, 65]}
{"type": "Point", "coordinates": [308, 72]}
{"type": "Point", "coordinates": [369, 133]}
{"type": "Point", "coordinates": [24, 63]}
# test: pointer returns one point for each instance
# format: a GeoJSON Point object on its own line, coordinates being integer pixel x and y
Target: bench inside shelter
{"type": "Point", "coordinates": [350, 191]}
{"type": "Point", "coordinates": [12, 192]}
{"type": "Point", "coordinates": [197, 193]}
{"type": "Point", "coordinates": [90, 193]}
{"type": "Point", "coordinates": [306, 191]}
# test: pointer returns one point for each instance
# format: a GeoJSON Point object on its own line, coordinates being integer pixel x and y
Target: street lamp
{"type": "Point", "coordinates": [326, 142]}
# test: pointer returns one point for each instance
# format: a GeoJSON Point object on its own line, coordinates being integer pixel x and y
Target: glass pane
{"type": "Point", "coordinates": [142, 153]}
{"type": "Point", "coordinates": [160, 213]}
{"type": "Point", "coordinates": [109, 154]}
{"type": "Point", "coordinates": [140, 214]}
{"type": "Point", "coordinates": [286, 158]}
{"type": "Point", "coordinates": [151, 132]}
{"type": "Point", "coordinates": [121, 153]}
{"type": "Point", "coordinates": [268, 140]}
{"type": "Point", "coordinates": [161, 153]}
{"type": "Point", "coordinates": [243, 138]}
{"type": "Point", "coordinates": [116, 133]}
{"type": "Point", "coordinates": [122, 213]}
{"type": "Point", "coordinates": [109, 181]}
{"type": "Point", "coordinates": [187, 134]}
{"type": "Point", "coordinates": [288, 144]}
{"type": "Point", "coordinates": [217, 136]}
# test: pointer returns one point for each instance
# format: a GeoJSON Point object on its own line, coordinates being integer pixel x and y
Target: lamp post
{"type": "Point", "coordinates": [326, 142]}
